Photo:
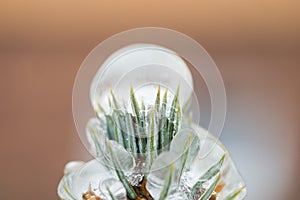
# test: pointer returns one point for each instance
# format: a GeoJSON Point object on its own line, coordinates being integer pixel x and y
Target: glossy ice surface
{"type": "Point", "coordinates": [78, 176]}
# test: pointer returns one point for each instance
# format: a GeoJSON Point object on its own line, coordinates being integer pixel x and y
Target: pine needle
{"type": "Point", "coordinates": [167, 184]}
{"type": "Point", "coordinates": [178, 119]}
{"type": "Point", "coordinates": [115, 102]}
{"type": "Point", "coordinates": [150, 144]}
{"type": "Point", "coordinates": [131, 134]}
{"type": "Point", "coordinates": [99, 109]}
{"type": "Point", "coordinates": [143, 114]}
{"type": "Point", "coordinates": [68, 192]}
{"type": "Point", "coordinates": [129, 189]}
{"type": "Point", "coordinates": [135, 106]}
{"type": "Point", "coordinates": [211, 172]}
{"type": "Point", "coordinates": [185, 155]}
{"type": "Point", "coordinates": [157, 100]}
{"type": "Point", "coordinates": [119, 119]}
{"type": "Point", "coordinates": [110, 127]}
{"type": "Point", "coordinates": [233, 195]}
{"type": "Point", "coordinates": [163, 128]}
{"type": "Point", "coordinates": [111, 194]}
{"type": "Point", "coordinates": [173, 111]}
{"type": "Point", "coordinates": [210, 190]}
{"type": "Point", "coordinates": [138, 124]}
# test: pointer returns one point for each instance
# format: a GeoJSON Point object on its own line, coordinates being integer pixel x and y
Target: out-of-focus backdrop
{"type": "Point", "coordinates": [255, 44]}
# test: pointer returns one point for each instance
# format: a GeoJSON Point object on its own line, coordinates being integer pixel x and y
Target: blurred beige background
{"type": "Point", "coordinates": [255, 44]}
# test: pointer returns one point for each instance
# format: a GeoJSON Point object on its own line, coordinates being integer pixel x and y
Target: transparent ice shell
{"type": "Point", "coordinates": [77, 179]}
{"type": "Point", "coordinates": [144, 67]}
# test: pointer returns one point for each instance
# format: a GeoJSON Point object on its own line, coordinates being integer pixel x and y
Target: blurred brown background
{"type": "Point", "coordinates": [255, 44]}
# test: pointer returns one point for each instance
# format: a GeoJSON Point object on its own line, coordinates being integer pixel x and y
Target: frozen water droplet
{"type": "Point", "coordinates": [63, 185]}
{"type": "Point", "coordinates": [72, 166]}
{"type": "Point", "coordinates": [99, 144]}
{"type": "Point", "coordinates": [95, 137]}
{"type": "Point", "coordinates": [184, 139]}
{"type": "Point", "coordinates": [208, 156]}
{"type": "Point", "coordinates": [125, 158]}
{"type": "Point", "coordinates": [90, 174]}
{"type": "Point", "coordinates": [158, 172]}
{"type": "Point", "coordinates": [115, 187]}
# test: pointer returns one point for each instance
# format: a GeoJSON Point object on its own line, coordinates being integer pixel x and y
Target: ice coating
{"type": "Point", "coordinates": [144, 66]}
{"type": "Point", "coordinates": [159, 169]}
{"type": "Point", "coordinates": [94, 172]}
{"type": "Point", "coordinates": [99, 146]}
